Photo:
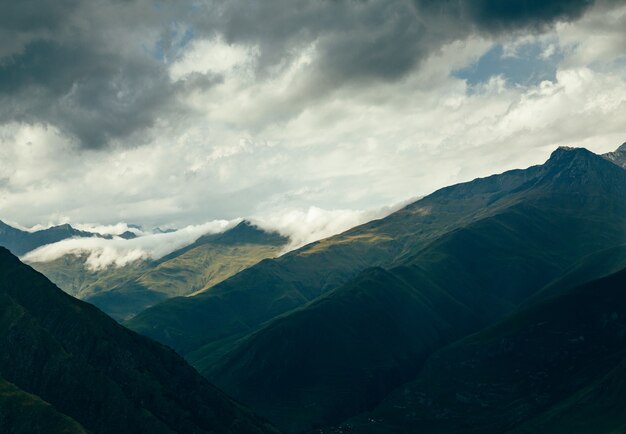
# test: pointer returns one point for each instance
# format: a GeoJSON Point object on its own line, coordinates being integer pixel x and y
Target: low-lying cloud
{"type": "Point", "coordinates": [101, 253]}
{"type": "Point", "coordinates": [301, 226]}
{"type": "Point", "coordinates": [304, 226]}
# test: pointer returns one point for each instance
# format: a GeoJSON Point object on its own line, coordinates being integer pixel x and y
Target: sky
{"type": "Point", "coordinates": [295, 112]}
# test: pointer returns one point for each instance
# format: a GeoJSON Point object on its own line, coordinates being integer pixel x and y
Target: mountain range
{"type": "Point", "coordinates": [491, 306]}
{"type": "Point", "coordinates": [329, 331]}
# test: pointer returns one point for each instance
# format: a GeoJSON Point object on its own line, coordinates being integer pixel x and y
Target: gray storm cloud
{"type": "Point", "coordinates": [98, 71]}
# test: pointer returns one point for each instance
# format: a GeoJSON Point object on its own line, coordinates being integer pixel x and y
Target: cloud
{"type": "Point", "coordinates": [211, 56]}
{"type": "Point", "coordinates": [84, 68]}
{"type": "Point", "coordinates": [499, 16]}
{"type": "Point", "coordinates": [115, 229]}
{"type": "Point", "coordinates": [102, 253]}
{"type": "Point", "coordinates": [107, 72]}
{"type": "Point", "coordinates": [301, 226]}
{"type": "Point", "coordinates": [304, 226]}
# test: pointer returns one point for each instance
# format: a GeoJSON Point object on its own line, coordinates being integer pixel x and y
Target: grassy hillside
{"type": "Point", "coordinates": [123, 291]}
{"type": "Point", "coordinates": [71, 274]}
{"type": "Point", "coordinates": [102, 375]}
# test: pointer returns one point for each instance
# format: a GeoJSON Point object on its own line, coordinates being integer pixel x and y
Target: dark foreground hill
{"type": "Point", "coordinates": [23, 413]}
{"type": "Point", "coordinates": [89, 369]}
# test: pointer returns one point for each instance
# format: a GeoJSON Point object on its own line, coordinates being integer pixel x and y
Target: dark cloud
{"type": "Point", "coordinates": [495, 15]}
{"type": "Point", "coordinates": [34, 15]}
{"type": "Point", "coordinates": [380, 39]}
{"type": "Point", "coordinates": [66, 63]}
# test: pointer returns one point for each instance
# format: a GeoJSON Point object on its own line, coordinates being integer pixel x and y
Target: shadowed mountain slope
{"type": "Point", "coordinates": [107, 378]}
{"type": "Point", "coordinates": [558, 367]}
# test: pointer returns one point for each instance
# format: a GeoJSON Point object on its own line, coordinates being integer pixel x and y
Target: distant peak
{"type": "Point", "coordinates": [246, 223]}
{"type": "Point", "coordinates": [622, 148]}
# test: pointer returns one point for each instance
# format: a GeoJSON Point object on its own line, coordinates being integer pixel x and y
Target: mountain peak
{"type": "Point", "coordinates": [578, 169]}
{"type": "Point", "coordinates": [63, 227]}
{"type": "Point", "coordinates": [247, 232]}
{"type": "Point", "coordinates": [569, 152]}
{"type": "Point", "coordinates": [568, 157]}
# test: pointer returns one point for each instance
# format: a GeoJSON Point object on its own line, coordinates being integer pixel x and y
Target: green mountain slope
{"type": "Point", "coordinates": [342, 353]}
{"type": "Point", "coordinates": [589, 268]}
{"type": "Point", "coordinates": [102, 375]}
{"type": "Point", "coordinates": [20, 242]}
{"type": "Point", "coordinates": [122, 292]}
{"type": "Point", "coordinates": [243, 302]}
{"type": "Point", "coordinates": [557, 367]}
{"type": "Point", "coordinates": [23, 413]}
{"type": "Point", "coordinates": [374, 335]}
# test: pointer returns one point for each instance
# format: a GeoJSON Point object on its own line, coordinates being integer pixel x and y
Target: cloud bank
{"type": "Point", "coordinates": [304, 226]}
{"type": "Point", "coordinates": [300, 226]}
{"type": "Point", "coordinates": [101, 253]}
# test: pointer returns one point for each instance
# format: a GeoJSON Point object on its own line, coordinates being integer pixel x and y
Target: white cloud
{"type": "Point", "coordinates": [301, 226]}
{"type": "Point", "coordinates": [214, 56]}
{"type": "Point", "coordinates": [102, 253]}
{"type": "Point", "coordinates": [304, 226]}
{"type": "Point", "coordinates": [115, 229]}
